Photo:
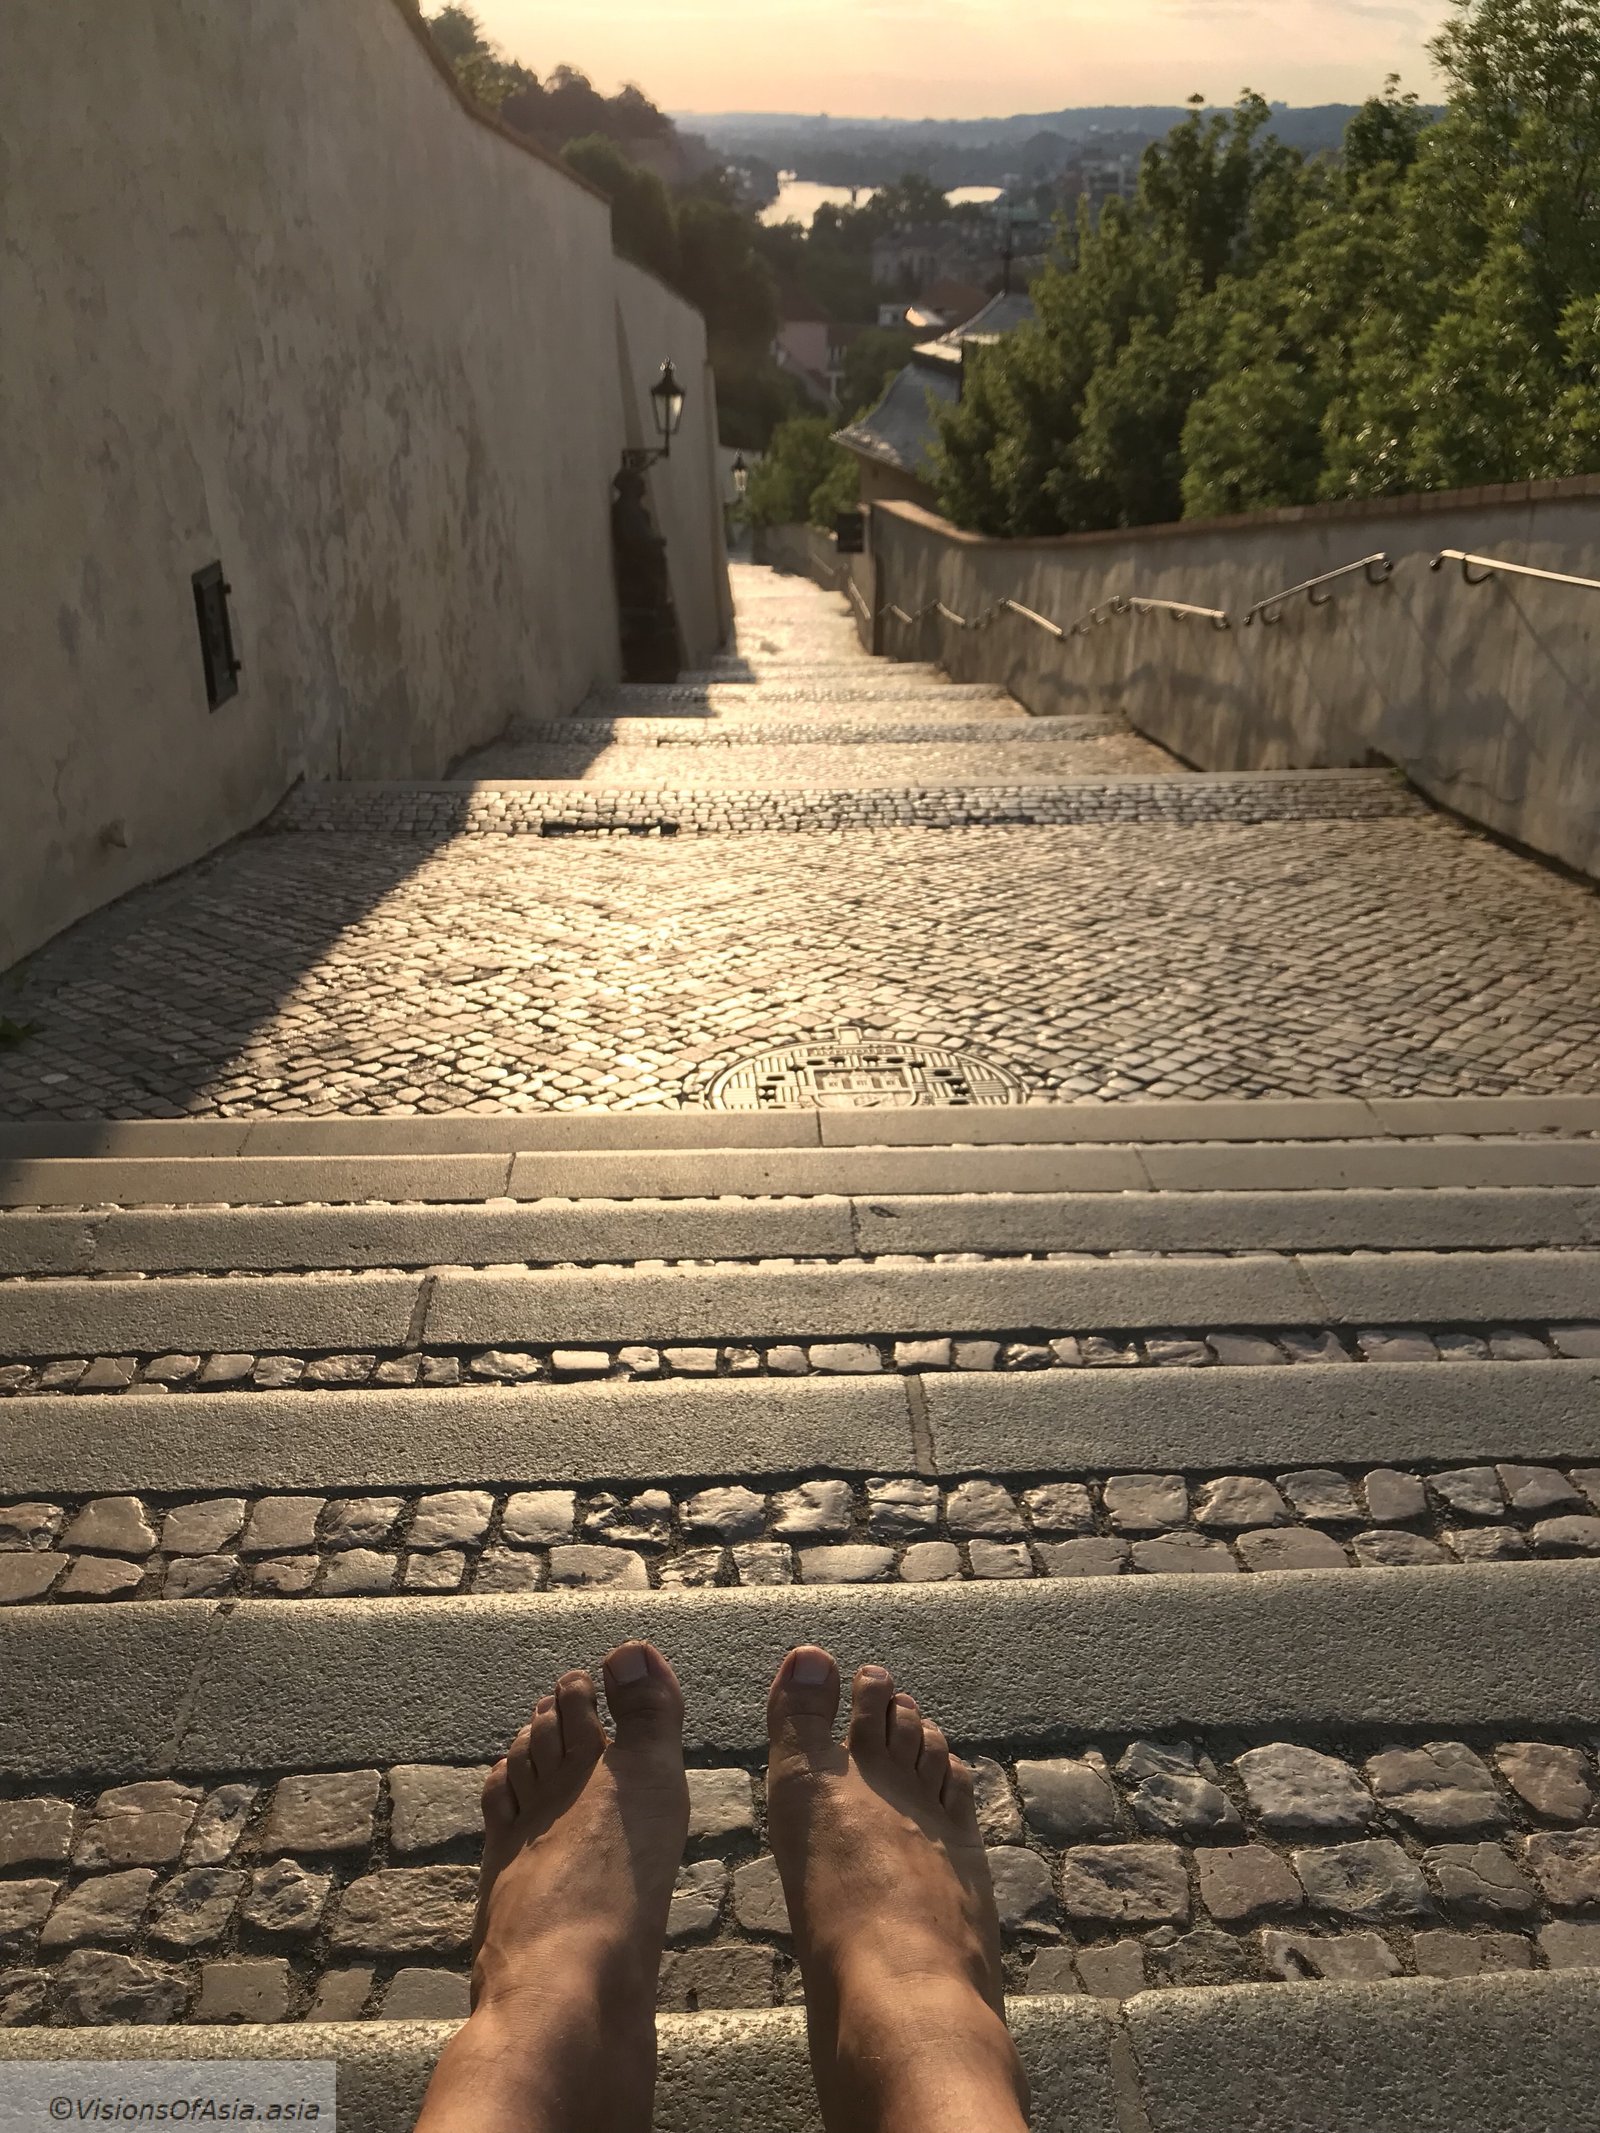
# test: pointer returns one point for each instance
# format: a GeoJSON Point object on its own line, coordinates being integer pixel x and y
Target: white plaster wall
{"type": "Point", "coordinates": [269, 293]}
{"type": "Point", "coordinates": [1487, 696]}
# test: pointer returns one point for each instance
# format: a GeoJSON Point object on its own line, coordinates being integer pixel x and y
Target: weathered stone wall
{"type": "Point", "coordinates": [287, 302]}
{"type": "Point", "coordinates": [1488, 697]}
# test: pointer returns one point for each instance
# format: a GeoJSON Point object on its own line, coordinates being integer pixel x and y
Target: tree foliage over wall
{"type": "Point", "coordinates": [1253, 329]}
{"type": "Point", "coordinates": [804, 478]}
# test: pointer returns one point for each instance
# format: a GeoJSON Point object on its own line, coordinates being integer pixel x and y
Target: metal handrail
{"type": "Point", "coordinates": [1121, 604]}
{"type": "Point", "coordinates": [854, 591]}
{"type": "Point", "coordinates": [1490, 564]}
{"type": "Point", "coordinates": [1310, 587]}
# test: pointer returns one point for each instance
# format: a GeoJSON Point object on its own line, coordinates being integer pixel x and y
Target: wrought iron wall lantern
{"type": "Point", "coordinates": [666, 405]}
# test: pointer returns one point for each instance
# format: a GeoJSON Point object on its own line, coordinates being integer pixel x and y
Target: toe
{"type": "Point", "coordinates": [582, 1735]}
{"type": "Point", "coordinates": [499, 1802]}
{"type": "Point", "coordinates": [544, 1740]}
{"type": "Point", "coordinates": [933, 1764]}
{"type": "Point", "coordinates": [871, 1698]}
{"type": "Point", "coordinates": [960, 1798]}
{"type": "Point", "coordinates": [905, 1731]}
{"type": "Point", "coordinates": [643, 1694]}
{"type": "Point", "coordinates": [803, 1701]}
{"type": "Point", "coordinates": [519, 1768]}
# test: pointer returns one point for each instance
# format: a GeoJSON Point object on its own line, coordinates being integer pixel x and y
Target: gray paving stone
{"type": "Point", "coordinates": [326, 1813]}
{"type": "Point", "coordinates": [363, 1522]}
{"type": "Point", "coordinates": [721, 1805]}
{"type": "Point", "coordinates": [1171, 1553]}
{"type": "Point", "coordinates": [998, 1816]}
{"type": "Point", "coordinates": [1393, 1497]}
{"type": "Point", "coordinates": [1567, 1536]}
{"type": "Point", "coordinates": [1237, 1501]}
{"type": "Point", "coordinates": [539, 1518]}
{"type": "Point", "coordinates": [341, 1994]}
{"type": "Point", "coordinates": [142, 1824]}
{"type": "Point", "coordinates": [199, 1577]}
{"type": "Point", "coordinates": [1554, 1781]}
{"type": "Point", "coordinates": [1566, 1865]}
{"type": "Point", "coordinates": [1202, 1956]}
{"type": "Point", "coordinates": [982, 1508]}
{"type": "Point", "coordinates": [729, 1974]}
{"type": "Point", "coordinates": [1023, 1896]}
{"type": "Point", "coordinates": [855, 1358]}
{"type": "Point", "coordinates": [425, 1995]}
{"type": "Point", "coordinates": [1480, 1879]}
{"type": "Point", "coordinates": [407, 1910]}
{"type": "Point", "coordinates": [643, 1520]}
{"type": "Point", "coordinates": [1052, 1971]}
{"type": "Point", "coordinates": [281, 1525]}
{"type": "Point", "coordinates": [1293, 1788]}
{"type": "Point", "coordinates": [693, 1569]}
{"type": "Point", "coordinates": [1436, 1789]}
{"type": "Point", "coordinates": [219, 1823]}
{"type": "Point", "coordinates": [1064, 1507]}
{"type": "Point", "coordinates": [1571, 1944]}
{"type": "Point", "coordinates": [931, 1562]}
{"type": "Point", "coordinates": [1342, 1958]}
{"type": "Point", "coordinates": [432, 1805]}
{"type": "Point", "coordinates": [251, 1989]}
{"type": "Point", "coordinates": [1539, 1488]}
{"type": "Point", "coordinates": [1000, 1559]}
{"type": "Point", "coordinates": [285, 1577]}
{"type": "Point", "coordinates": [451, 1518]}
{"type": "Point", "coordinates": [758, 1902]}
{"type": "Point", "coordinates": [205, 1528]}
{"type": "Point", "coordinates": [35, 1831]}
{"type": "Point", "coordinates": [93, 1987]}
{"type": "Point", "coordinates": [763, 1563]}
{"type": "Point", "coordinates": [1290, 1548]}
{"type": "Point", "coordinates": [1486, 1544]}
{"type": "Point", "coordinates": [901, 1509]}
{"type": "Point", "coordinates": [1065, 1800]}
{"type": "Point", "coordinates": [846, 1564]}
{"type": "Point", "coordinates": [100, 1577]}
{"type": "Point", "coordinates": [1114, 1884]}
{"type": "Point", "coordinates": [1470, 1491]}
{"type": "Point", "coordinates": [734, 1513]}
{"type": "Point", "coordinates": [1372, 1881]}
{"type": "Point", "coordinates": [1241, 1884]}
{"type": "Point", "coordinates": [815, 1510]}
{"type": "Point", "coordinates": [509, 1570]}
{"type": "Point", "coordinates": [24, 1907]}
{"type": "Point", "coordinates": [28, 1577]}
{"type": "Point", "coordinates": [1146, 1503]}
{"type": "Point", "coordinates": [360, 1570]}
{"type": "Point", "coordinates": [106, 1909]}
{"type": "Point", "coordinates": [194, 1908]}
{"type": "Point", "coordinates": [111, 1525]}
{"type": "Point", "coordinates": [1093, 1558]}
{"type": "Point", "coordinates": [975, 1355]}
{"type": "Point", "coordinates": [1390, 1550]}
{"type": "Point", "coordinates": [23, 1997]}
{"type": "Point", "coordinates": [440, 1571]}
{"type": "Point", "coordinates": [923, 1355]}
{"type": "Point", "coordinates": [29, 1525]}
{"type": "Point", "coordinates": [1174, 1804]}
{"type": "Point", "coordinates": [583, 1565]}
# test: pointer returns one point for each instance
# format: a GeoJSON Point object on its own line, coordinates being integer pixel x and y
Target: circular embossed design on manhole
{"type": "Point", "coordinates": [861, 1077]}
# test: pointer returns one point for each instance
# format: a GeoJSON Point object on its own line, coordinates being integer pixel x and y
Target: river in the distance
{"type": "Point", "coordinates": [798, 199]}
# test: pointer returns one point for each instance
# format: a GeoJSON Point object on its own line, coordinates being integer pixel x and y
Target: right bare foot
{"type": "Point", "coordinates": [892, 1909]}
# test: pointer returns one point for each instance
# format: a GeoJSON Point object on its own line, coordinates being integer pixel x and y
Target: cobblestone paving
{"type": "Point", "coordinates": [1100, 937]}
{"type": "Point", "coordinates": [758, 767]}
{"type": "Point", "coordinates": [1118, 1865]}
{"type": "Point", "coordinates": [810, 1529]}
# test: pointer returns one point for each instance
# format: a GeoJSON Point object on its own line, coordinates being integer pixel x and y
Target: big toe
{"type": "Point", "coordinates": [644, 1698]}
{"type": "Point", "coordinates": [802, 1702]}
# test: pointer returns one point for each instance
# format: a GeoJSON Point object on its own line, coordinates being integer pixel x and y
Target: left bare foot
{"type": "Point", "coordinates": [583, 1837]}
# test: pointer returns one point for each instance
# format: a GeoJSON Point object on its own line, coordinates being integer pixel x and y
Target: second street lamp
{"type": "Point", "coordinates": [666, 406]}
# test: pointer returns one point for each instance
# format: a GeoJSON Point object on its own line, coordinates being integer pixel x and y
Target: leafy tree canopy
{"type": "Point", "coordinates": [805, 477]}
{"type": "Point", "coordinates": [1253, 329]}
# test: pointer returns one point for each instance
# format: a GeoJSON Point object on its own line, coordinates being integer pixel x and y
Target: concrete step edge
{"type": "Point", "coordinates": [1049, 1422]}
{"type": "Point", "coordinates": [203, 1687]}
{"type": "Point", "coordinates": [1411, 2055]}
{"type": "Point", "coordinates": [934, 1126]}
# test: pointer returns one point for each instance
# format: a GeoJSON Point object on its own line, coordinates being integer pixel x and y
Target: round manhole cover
{"type": "Point", "coordinates": [861, 1077]}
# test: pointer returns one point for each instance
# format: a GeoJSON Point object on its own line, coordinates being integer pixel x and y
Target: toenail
{"type": "Point", "coordinates": [811, 1670]}
{"type": "Point", "coordinates": [629, 1666]}
{"type": "Point", "coordinates": [875, 1673]}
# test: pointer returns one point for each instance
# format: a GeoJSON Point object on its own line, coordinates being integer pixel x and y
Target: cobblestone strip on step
{"type": "Point", "coordinates": [807, 1529]}
{"type": "Point", "coordinates": [1118, 1866]}
{"type": "Point", "coordinates": [1180, 1348]}
{"type": "Point", "coordinates": [440, 811]}
{"type": "Point", "coordinates": [748, 730]}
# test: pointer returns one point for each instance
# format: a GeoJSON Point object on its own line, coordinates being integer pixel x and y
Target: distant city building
{"type": "Point", "coordinates": [894, 441]}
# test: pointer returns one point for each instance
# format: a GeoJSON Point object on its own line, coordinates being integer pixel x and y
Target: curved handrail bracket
{"type": "Point", "coordinates": [1489, 566]}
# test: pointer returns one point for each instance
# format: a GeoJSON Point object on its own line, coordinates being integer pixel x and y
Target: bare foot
{"type": "Point", "coordinates": [892, 1909]}
{"type": "Point", "coordinates": [582, 1844]}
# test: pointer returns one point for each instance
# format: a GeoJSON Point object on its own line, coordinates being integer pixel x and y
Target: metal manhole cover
{"type": "Point", "coordinates": [861, 1077]}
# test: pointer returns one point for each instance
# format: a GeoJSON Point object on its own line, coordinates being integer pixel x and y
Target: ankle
{"type": "Point", "coordinates": [564, 1973]}
{"type": "Point", "coordinates": [930, 2055]}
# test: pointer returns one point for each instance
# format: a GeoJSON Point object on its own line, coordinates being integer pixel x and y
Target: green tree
{"type": "Point", "coordinates": [720, 270]}
{"type": "Point", "coordinates": [805, 477]}
{"type": "Point", "coordinates": [870, 361]}
{"type": "Point", "coordinates": [642, 220]}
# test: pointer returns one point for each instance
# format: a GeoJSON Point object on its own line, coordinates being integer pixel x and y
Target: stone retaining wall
{"type": "Point", "coordinates": [291, 304]}
{"type": "Point", "coordinates": [1485, 696]}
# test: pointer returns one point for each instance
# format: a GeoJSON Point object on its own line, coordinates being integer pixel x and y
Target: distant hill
{"type": "Point", "coordinates": [856, 151]}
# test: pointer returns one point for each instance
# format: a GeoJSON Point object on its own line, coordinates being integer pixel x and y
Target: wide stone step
{"type": "Point", "coordinates": [613, 1174]}
{"type": "Point", "coordinates": [1413, 2055]}
{"type": "Point", "coordinates": [459, 1307]}
{"type": "Point", "coordinates": [205, 1687]}
{"type": "Point", "coordinates": [269, 1239]}
{"type": "Point", "coordinates": [1225, 1119]}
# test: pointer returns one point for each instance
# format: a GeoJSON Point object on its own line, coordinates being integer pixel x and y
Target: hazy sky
{"type": "Point", "coordinates": [970, 58]}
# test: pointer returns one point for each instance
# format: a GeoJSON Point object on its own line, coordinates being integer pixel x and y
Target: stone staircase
{"type": "Point", "coordinates": [1224, 1473]}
